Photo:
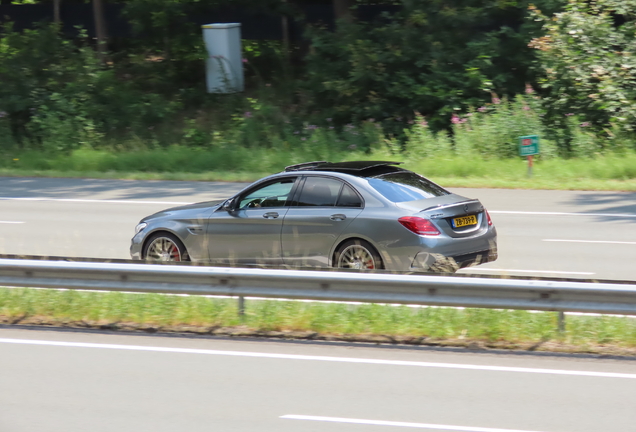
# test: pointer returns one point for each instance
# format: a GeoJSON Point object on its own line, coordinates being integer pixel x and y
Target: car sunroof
{"type": "Point", "coordinates": [339, 166]}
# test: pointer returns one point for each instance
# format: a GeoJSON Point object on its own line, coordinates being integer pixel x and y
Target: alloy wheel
{"type": "Point", "coordinates": [356, 257]}
{"type": "Point", "coordinates": [163, 249]}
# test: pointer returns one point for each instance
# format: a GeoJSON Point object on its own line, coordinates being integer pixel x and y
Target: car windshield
{"type": "Point", "coordinates": [405, 186]}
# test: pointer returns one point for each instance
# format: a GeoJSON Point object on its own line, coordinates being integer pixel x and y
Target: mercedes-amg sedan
{"type": "Point", "coordinates": [356, 215]}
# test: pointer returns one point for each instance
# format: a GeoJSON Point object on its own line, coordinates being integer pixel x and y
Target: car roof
{"type": "Point", "coordinates": [356, 168]}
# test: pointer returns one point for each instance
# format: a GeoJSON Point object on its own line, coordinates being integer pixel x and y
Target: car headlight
{"type": "Point", "coordinates": [140, 226]}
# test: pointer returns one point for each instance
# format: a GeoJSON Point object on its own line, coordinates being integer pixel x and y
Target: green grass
{"type": "Point", "coordinates": [610, 172]}
{"type": "Point", "coordinates": [434, 324]}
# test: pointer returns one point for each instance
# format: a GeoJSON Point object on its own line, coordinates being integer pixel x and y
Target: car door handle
{"type": "Point", "coordinates": [338, 217]}
{"type": "Point", "coordinates": [270, 215]}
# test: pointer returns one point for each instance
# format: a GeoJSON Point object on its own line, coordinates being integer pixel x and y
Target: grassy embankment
{"type": "Point", "coordinates": [321, 321]}
{"type": "Point", "coordinates": [480, 149]}
{"type": "Point", "coordinates": [608, 172]}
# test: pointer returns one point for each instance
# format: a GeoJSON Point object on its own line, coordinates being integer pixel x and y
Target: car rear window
{"type": "Point", "coordinates": [405, 186]}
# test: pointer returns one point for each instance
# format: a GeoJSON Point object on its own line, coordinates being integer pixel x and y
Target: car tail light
{"type": "Point", "coordinates": [488, 216]}
{"type": "Point", "coordinates": [419, 225]}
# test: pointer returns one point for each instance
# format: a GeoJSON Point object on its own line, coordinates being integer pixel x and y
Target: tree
{"type": "Point", "coordinates": [588, 56]}
{"type": "Point", "coordinates": [342, 10]}
{"type": "Point", "coordinates": [435, 57]}
{"type": "Point", "coordinates": [56, 12]}
{"type": "Point", "coordinates": [100, 28]}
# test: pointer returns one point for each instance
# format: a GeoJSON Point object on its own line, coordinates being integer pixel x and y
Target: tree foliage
{"type": "Point", "coordinates": [434, 57]}
{"type": "Point", "coordinates": [588, 56]}
{"type": "Point", "coordinates": [55, 92]}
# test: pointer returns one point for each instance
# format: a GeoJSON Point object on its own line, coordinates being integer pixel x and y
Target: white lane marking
{"type": "Point", "coordinates": [94, 201]}
{"type": "Point", "coordinates": [590, 241]}
{"type": "Point", "coordinates": [529, 271]}
{"type": "Point", "coordinates": [627, 215]}
{"type": "Point", "coordinates": [398, 424]}
{"type": "Point", "coordinates": [11, 222]}
{"type": "Point", "coordinates": [319, 358]}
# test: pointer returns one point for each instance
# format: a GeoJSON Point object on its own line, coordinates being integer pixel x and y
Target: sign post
{"type": "Point", "coordinates": [529, 146]}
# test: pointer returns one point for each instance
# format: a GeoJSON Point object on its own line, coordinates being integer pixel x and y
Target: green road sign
{"type": "Point", "coordinates": [528, 145]}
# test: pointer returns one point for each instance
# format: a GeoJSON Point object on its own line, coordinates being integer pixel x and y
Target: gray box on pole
{"type": "Point", "coordinates": [224, 65]}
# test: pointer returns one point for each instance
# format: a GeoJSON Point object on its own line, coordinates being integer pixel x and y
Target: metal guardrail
{"type": "Point", "coordinates": [561, 296]}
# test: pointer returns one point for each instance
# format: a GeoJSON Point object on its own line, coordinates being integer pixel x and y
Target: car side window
{"type": "Point", "coordinates": [270, 195]}
{"type": "Point", "coordinates": [349, 198]}
{"type": "Point", "coordinates": [319, 192]}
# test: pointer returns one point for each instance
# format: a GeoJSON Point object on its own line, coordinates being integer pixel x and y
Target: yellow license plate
{"type": "Point", "coordinates": [464, 221]}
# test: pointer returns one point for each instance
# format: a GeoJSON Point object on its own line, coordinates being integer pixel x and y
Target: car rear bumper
{"type": "Point", "coordinates": [455, 255]}
{"type": "Point", "coordinates": [476, 258]}
{"type": "Point", "coordinates": [436, 262]}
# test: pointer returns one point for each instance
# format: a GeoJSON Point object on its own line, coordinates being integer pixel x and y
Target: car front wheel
{"type": "Point", "coordinates": [165, 247]}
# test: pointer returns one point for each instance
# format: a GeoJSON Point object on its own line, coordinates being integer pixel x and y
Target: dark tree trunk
{"type": "Point", "coordinates": [100, 28]}
{"type": "Point", "coordinates": [342, 10]}
{"type": "Point", "coordinates": [56, 12]}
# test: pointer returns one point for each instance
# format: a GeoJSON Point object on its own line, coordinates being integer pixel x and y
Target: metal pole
{"type": "Point", "coordinates": [530, 166]}
{"type": "Point", "coordinates": [241, 307]}
{"type": "Point", "coordinates": [561, 322]}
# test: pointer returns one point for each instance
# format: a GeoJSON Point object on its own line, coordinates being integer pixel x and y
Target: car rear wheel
{"type": "Point", "coordinates": [359, 255]}
{"type": "Point", "coordinates": [165, 247]}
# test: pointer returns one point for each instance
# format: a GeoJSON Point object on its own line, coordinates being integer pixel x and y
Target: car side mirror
{"type": "Point", "coordinates": [228, 205]}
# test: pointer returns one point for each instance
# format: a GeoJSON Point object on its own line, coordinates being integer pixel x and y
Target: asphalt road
{"type": "Point", "coordinates": [543, 233]}
{"type": "Point", "coordinates": [54, 381]}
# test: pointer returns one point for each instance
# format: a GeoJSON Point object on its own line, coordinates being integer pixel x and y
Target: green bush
{"type": "Point", "coordinates": [57, 96]}
{"type": "Point", "coordinates": [432, 57]}
{"type": "Point", "coordinates": [588, 59]}
{"type": "Point", "coordinates": [493, 130]}
{"type": "Point", "coordinates": [421, 142]}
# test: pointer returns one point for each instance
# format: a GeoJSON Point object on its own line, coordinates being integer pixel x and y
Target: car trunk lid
{"type": "Point", "coordinates": [454, 215]}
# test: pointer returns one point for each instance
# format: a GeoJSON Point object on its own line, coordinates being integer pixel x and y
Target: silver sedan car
{"type": "Point", "coordinates": [355, 215]}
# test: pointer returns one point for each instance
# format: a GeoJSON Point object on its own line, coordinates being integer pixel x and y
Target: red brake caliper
{"type": "Point", "coordinates": [175, 252]}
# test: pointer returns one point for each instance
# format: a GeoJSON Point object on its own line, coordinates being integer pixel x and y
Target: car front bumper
{"type": "Point", "coordinates": [135, 246]}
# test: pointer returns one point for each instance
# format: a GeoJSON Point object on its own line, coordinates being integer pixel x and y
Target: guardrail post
{"type": "Point", "coordinates": [241, 307]}
{"type": "Point", "coordinates": [561, 322]}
